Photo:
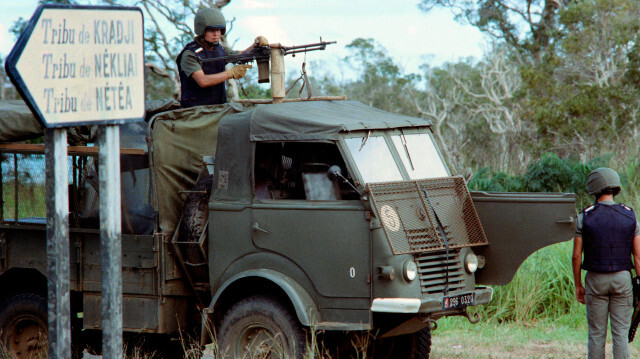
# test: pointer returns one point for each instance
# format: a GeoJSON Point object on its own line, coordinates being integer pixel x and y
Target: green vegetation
{"type": "Point", "coordinates": [551, 173]}
{"type": "Point", "coordinates": [541, 289]}
{"type": "Point", "coordinates": [31, 200]}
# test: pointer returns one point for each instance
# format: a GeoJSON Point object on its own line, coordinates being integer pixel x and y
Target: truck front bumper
{"type": "Point", "coordinates": [483, 295]}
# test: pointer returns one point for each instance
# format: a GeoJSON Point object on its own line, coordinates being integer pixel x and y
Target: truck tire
{"type": "Point", "coordinates": [24, 326]}
{"type": "Point", "coordinates": [260, 327]}
{"type": "Point", "coordinates": [410, 346]}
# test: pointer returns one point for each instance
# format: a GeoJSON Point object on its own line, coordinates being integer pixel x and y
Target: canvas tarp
{"type": "Point", "coordinates": [180, 139]}
{"type": "Point", "coordinates": [322, 120]}
{"type": "Point", "coordinates": [232, 178]}
{"type": "Point", "coordinates": [17, 123]}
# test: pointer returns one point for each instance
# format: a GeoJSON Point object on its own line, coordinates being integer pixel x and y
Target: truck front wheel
{"type": "Point", "coordinates": [260, 327]}
{"type": "Point", "coordinates": [23, 326]}
{"type": "Point", "coordinates": [411, 346]}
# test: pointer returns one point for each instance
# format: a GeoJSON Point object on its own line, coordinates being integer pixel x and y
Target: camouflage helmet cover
{"type": "Point", "coordinates": [209, 18]}
{"type": "Point", "coordinates": [601, 179]}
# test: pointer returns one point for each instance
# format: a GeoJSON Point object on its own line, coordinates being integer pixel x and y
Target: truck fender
{"type": "Point", "coordinates": [305, 307]}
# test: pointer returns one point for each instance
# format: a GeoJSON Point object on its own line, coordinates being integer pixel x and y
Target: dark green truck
{"type": "Point", "coordinates": [326, 216]}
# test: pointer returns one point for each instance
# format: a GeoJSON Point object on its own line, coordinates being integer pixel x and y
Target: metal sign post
{"type": "Point", "coordinates": [57, 192]}
{"type": "Point", "coordinates": [110, 235]}
{"type": "Point", "coordinates": [77, 66]}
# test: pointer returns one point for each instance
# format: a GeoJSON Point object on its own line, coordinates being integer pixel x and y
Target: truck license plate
{"type": "Point", "coordinates": [459, 301]}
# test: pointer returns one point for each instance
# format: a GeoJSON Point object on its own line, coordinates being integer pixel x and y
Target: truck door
{"type": "Point", "coordinates": [299, 214]}
{"type": "Point", "coordinates": [518, 224]}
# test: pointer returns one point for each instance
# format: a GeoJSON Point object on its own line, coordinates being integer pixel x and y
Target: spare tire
{"type": "Point", "coordinates": [194, 218]}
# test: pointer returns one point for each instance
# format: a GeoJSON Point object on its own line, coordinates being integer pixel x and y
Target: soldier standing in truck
{"type": "Point", "coordinates": [202, 83]}
{"type": "Point", "coordinates": [608, 234]}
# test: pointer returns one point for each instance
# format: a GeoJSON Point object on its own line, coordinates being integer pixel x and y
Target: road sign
{"type": "Point", "coordinates": [81, 65]}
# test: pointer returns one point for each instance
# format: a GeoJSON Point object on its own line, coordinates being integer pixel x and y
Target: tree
{"type": "Point", "coordinates": [477, 118]}
{"type": "Point", "coordinates": [380, 82]}
{"type": "Point", "coordinates": [6, 92]}
{"type": "Point", "coordinates": [584, 97]}
{"type": "Point", "coordinates": [441, 103]}
{"type": "Point", "coordinates": [579, 62]}
{"type": "Point", "coordinates": [527, 26]}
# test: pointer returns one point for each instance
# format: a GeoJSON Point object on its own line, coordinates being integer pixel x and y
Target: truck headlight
{"type": "Point", "coordinates": [410, 270]}
{"type": "Point", "coordinates": [471, 263]}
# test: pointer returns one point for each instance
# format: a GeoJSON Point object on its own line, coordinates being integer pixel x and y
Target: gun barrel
{"type": "Point", "coordinates": [263, 53]}
{"type": "Point", "coordinates": [305, 48]}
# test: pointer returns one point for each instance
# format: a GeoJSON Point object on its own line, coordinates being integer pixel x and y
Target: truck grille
{"type": "Point", "coordinates": [410, 212]}
{"type": "Point", "coordinates": [432, 269]}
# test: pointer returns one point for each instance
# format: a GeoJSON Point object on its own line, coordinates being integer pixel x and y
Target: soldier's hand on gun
{"type": "Point", "coordinates": [260, 41]}
{"type": "Point", "coordinates": [238, 71]}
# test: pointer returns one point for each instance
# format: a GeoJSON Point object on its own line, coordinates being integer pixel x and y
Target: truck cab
{"type": "Point", "coordinates": [350, 219]}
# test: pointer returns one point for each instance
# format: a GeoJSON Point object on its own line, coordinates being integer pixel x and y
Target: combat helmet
{"type": "Point", "coordinates": [601, 179]}
{"type": "Point", "coordinates": [209, 18]}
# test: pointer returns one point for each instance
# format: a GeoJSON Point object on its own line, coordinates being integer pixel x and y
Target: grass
{"type": "Point", "coordinates": [30, 176]}
{"type": "Point", "coordinates": [487, 339]}
{"type": "Point", "coordinates": [40, 343]}
{"type": "Point", "coordinates": [542, 288]}
{"type": "Point", "coordinates": [565, 338]}
{"type": "Point", "coordinates": [31, 200]}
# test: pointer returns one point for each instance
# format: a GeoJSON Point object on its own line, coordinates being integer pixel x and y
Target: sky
{"type": "Point", "coordinates": [410, 36]}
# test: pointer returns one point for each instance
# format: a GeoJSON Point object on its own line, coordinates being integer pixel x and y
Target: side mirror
{"type": "Point", "coordinates": [334, 173]}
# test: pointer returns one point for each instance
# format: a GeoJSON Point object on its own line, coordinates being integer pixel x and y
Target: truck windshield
{"type": "Point", "coordinates": [373, 159]}
{"type": "Point", "coordinates": [419, 155]}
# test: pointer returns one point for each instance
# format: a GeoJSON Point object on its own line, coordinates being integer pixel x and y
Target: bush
{"type": "Point", "coordinates": [552, 174]}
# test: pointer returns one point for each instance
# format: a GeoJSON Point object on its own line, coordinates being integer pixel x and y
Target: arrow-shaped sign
{"type": "Point", "coordinates": [81, 65]}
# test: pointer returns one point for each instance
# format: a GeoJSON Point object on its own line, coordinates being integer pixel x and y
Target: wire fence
{"type": "Point", "coordinates": [23, 186]}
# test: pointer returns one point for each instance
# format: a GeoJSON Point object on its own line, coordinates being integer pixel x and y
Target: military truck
{"type": "Point", "coordinates": [261, 224]}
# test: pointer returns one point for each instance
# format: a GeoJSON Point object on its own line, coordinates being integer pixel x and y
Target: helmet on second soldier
{"type": "Point", "coordinates": [209, 18]}
{"type": "Point", "coordinates": [601, 179]}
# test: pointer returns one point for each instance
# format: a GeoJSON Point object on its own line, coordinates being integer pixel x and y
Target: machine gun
{"type": "Point", "coordinates": [261, 55]}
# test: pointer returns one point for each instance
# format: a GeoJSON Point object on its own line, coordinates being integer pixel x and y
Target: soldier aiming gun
{"type": "Point", "coordinates": [202, 83]}
{"type": "Point", "coordinates": [202, 62]}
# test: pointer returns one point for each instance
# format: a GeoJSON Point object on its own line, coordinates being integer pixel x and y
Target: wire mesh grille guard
{"type": "Point", "coordinates": [408, 211]}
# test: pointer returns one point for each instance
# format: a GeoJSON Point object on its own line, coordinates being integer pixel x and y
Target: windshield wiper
{"type": "Point", "coordinates": [406, 149]}
{"type": "Point", "coordinates": [364, 140]}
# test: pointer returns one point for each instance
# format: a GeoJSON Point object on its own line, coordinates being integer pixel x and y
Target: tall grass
{"type": "Point", "coordinates": [541, 289]}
